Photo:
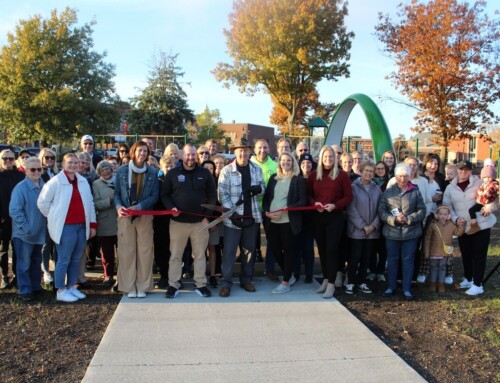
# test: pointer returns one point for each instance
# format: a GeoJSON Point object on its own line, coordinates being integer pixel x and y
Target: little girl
{"type": "Point", "coordinates": [437, 245]}
{"type": "Point", "coordinates": [486, 193]}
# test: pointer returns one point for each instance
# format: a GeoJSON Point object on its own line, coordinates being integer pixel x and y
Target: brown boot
{"type": "Point", "coordinates": [441, 288]}
{"type": "Point", "coordinates": [432, 287]}
{"type": "Point", "coordinates": [474, 228]}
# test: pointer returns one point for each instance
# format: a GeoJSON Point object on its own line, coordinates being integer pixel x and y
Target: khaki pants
{"type": "Point", "coordinates": [179, 235]}
{"type": "Point", "coordinates": [135, 254]}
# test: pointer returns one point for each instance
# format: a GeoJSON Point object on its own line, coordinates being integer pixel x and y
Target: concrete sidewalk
{"type": "Point", "coordinates": [248, 337]}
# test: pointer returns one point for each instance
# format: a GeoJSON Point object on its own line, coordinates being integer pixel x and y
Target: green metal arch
{"type": "Point", "coordinates": [378, 128]}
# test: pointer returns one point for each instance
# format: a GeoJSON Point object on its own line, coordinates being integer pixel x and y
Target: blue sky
{"type": "Point", "coordinates": [131, 31]}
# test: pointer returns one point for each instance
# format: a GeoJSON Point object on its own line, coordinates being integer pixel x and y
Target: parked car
{"type": "Point", "coordinates": [34, 150]}
{"type": "Point", "coordinates": [111, 152]}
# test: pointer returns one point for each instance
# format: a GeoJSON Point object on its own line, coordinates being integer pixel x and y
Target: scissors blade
{"type": "Point", "coordinates": [220, 219]}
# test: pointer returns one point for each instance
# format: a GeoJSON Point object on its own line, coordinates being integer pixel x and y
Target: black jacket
{"type": "Point", "coordinates": [8, 180]}
{"type": "Point", "coordinates": [186, 190]}
{"type": "Point", "coordinates": [297, 196]}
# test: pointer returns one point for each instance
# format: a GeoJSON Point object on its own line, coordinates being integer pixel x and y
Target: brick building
{"type": "Point", "coordinates": [252, 132]}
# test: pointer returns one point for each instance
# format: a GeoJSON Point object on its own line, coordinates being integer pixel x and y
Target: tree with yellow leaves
{"type": "Point", "coordinates": [285, 47]}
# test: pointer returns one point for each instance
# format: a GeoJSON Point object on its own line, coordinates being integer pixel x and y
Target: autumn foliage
{"type": "Point", "coordinates": [445, 54]}
{"type": "Point", "coordinates": [285, 48]}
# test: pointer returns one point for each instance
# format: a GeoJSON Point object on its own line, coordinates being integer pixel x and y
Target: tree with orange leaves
{"type": "Point", "coordinates": [447, 57]}
{"type": "Point", "coordinates": [285, 48]}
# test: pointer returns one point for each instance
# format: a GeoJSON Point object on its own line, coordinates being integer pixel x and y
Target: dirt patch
{"type": "Point", "coordinates": [447, 338]}
{"type": "Point", "coordinates": [47, 341]}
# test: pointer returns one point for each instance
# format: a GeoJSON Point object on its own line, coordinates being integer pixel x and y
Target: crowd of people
{"type": "Point", "coordinates": [385, 221]}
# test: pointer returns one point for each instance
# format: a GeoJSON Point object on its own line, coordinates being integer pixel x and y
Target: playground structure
{"type": "Point", "coordinates": [378, 128]}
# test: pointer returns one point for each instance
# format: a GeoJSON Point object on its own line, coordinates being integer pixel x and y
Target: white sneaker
{"type": "Point", "coordinates": [141, 294]}
{"type": "Point", "coordinates": [475, 290]}
{"type": "Point", "coordinates": [421, 278]}
{"type": "Point", "coordinates": [132, 294]}
{"type": "Point", "coordinates": [465, 284]}
{"type": "Point", "coordinates": [47, 278]}
{"type": "Point", "coordinates": [349, 289]}
{"type": "Point", "coordinates": [65, 296]}
{"type": "Point", "coordinates": [364, 288]}
{"type": "Point", "coordinates": [292, 280]}
{"type": "Point", "coordinates": [76, 293]}
{"type": "Point", "coordinates": [371, 277]}
{"type": "Point", "coordinates": [281, 289]}
{"type": "Point", "coordinates": [448, 280]}
{"type": "Point", "coordinates": [381, 277]}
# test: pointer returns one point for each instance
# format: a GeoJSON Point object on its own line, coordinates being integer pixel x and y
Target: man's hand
{"type": "Point", "coordinates": [92, 232]}
{"type": "Point", "coordinates": [177, 214]}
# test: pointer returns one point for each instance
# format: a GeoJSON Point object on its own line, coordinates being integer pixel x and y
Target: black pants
{"type": "Point", "coordinates": [361, 250]}
{"type": "Point", "coordinates": [4, 257]}
{"type": "Point", "coordinates": [328, 228]}
{"type": "Point", "coordinates": [474, 249]}
{"type": "Point", "coordinates": [161, 240]}
{"type": "Point", "coordinates": [378, 258]}
{"type": "Point", "coordinates": [282, 243]}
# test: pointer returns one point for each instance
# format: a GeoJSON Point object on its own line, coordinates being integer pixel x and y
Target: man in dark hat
{"type": "Point", "coordinates": [240, 184]}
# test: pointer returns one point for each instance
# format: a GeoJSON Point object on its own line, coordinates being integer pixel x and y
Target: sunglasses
{"type": "Point", "coordinates": [32, 170]}
{"type": "Point", "coordinates": [88, 143]}
{"type": "Point", "coordinates": [303, 150]}
{"type": "Point", "coordinates": [8, 158]}
{"type": "Point", "coordinates": [207, 153]}
{"type": "Point", "coordinates": [49, 157]}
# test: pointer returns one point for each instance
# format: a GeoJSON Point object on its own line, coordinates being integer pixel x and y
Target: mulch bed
{"type": "Point", "coordinates": [447, 338]}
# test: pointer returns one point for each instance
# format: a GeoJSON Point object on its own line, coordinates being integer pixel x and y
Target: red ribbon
{"type": "Point", "coordinates": [131, 212]}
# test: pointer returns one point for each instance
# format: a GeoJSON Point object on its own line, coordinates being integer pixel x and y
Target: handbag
{"type": "Point", "coordinates": [448, 249]}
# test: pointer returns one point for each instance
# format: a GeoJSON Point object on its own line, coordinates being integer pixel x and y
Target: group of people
{"type": "Point", "coordinates": [368, 219]}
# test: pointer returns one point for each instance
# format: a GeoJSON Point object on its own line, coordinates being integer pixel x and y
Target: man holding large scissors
{"type": "Point", "coordinates": [186, 188]}
{"type": "Point", "coordinates": [240, 184]}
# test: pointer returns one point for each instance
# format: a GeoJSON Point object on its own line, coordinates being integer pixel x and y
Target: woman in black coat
{"type": "Point", "coordinates": [285, 189]}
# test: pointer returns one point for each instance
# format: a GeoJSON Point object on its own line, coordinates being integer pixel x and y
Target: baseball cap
{"type": "Point", "coordinates": [87, 137]}
{"type": "Point", "coordinates": [464, 165]}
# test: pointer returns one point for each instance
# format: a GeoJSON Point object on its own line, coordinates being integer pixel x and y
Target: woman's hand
{"type": "Point", "coordinates": [402, 219]}
{"type": "Point", "coordinates": [319, 206]}
{"type": "Point", "coordinates": [485, 212]}
{"type": "Point", "coordinates": [92, 232]}
{"type": "Point", "coordinates": [329, 207]}
{"type": "Point", "coordinates": [273, 216]}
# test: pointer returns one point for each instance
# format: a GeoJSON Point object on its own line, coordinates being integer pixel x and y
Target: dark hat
{"type": "Point", "coordinates": [25, 151]}
{"type": "Point", "coordinates": [307, 157]}
{"type": "Point", "coordinates": [240, 143]}
{"type": "Point", "coordinates": [464, 165]}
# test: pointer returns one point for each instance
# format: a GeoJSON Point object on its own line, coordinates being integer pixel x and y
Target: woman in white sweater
{"type": "Point", "coordinates": [66, 201]}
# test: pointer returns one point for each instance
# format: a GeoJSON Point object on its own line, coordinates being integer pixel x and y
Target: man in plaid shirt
{"type": "Point", "coordinates": [240, 183]}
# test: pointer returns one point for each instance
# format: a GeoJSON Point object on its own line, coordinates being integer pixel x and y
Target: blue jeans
{"type": "Point", "coordinates": [28, 270]}
{"type": "Point", "coordinates": [246, 238]}
{"type": "Point", "coordinates": [69, 251]}
{"type": "Point", "coordinates": [406, 250]}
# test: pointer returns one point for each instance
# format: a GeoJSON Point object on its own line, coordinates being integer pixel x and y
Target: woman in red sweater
{"type": "Point", "coordinates": [328, 188]}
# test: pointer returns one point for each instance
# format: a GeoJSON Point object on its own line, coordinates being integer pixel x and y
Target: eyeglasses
{"type": "Point", "coordinates": [49, 158]}
{"type": "Point", "coordinates": [88, 143]}
{"type": "Point", "coordinates": [8, 158]}
{"type": "Point", "coordinates": [207, 153]}
{"type": "Point", "coordinates": [32, 170]}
